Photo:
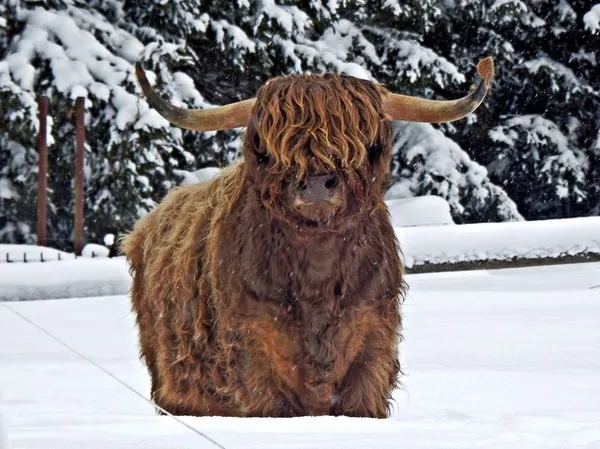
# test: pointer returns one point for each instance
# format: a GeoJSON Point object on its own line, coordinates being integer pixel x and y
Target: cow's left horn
{"type": "Point", "coordinates": [414, 109]}
{"type": "Point", "coordinates": [234, 115]}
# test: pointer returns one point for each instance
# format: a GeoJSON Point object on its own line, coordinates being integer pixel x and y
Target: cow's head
{"type": "Point", "coordinates": [318, 147]}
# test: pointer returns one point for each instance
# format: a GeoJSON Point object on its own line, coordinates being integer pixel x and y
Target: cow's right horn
{"type": "Point", "coordinates": [234, 115]}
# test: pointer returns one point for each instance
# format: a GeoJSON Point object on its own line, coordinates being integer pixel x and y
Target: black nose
{"type": "Point", "coordinates": [318, 188]}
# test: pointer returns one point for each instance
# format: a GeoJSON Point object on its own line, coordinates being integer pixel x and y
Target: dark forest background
{"type": "Point", "coordinates": [531, 152]}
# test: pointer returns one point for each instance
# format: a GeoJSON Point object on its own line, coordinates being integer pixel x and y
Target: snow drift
{"type": "Point", "coordinates": [81, 277]}
{"type": "Point", "coordinates": [499, 241]}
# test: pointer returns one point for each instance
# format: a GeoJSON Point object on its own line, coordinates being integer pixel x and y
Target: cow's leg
{"type": "Point", "coordinates": [365, 390]}
{"type": "Point", "coordinates": [149, 357]}
{"type": "Point", "coordinates": [188, 386]}
{"type": "Point", "coordinates": [266, 360]}
{"type": "Point", "coordinates": [147, 351]}
{"type": "Point", "coordinates": [262, 395]}
{"type": "Point", "coordinates": [195, 402]}
{"type": "Point", "coordinates": [367, 387]}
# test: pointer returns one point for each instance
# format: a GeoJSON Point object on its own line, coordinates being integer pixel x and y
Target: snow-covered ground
{"type": "Point", "coordinates": [493, 359]}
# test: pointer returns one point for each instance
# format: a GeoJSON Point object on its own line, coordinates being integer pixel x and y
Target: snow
{"type": "Point", "coordinates": [559, 70]}
{"type": "Point", "coordinates": [7, 189]}
{"type": "Point", "coordinates": [513, 3]}
{"type": "Point", "coordinates": [496, 359]}
{"type": "Point", "coordinates": [414, 60]}
{"type": "Point", "coordinates": [67, 278]}
{"type": "Point", "coordinates": [331, 52]}
{"type": "Point", "coordinates": [31, 253]}
{"type": "Point", "coordinates": [288, 17]}
{"type": "Point", "coordinates": [73, 64]}
{"type": "Point", "coordinates": [201, 175]}
{"type": "Point", "coordinates": [499, 241]}
{"type": "Point", "coordinates": [592, 19]}
{"type": "Point", "coordinates": [343, 36]}
{"type": "Point", "coordinates": [94, 250]}
{"type": "Point", "coordinates": [239, 39]}
{"type": "Point", "coordinates": [547, 147]}
{"type": "Point", "coordinates": [540, 131]}
{"type": "Point", "coordinates": [109, 239]}
{"type": "Point", "coordinates": [81, 64]}
{"type": "Point", "coordinates": [34, 253]}
{"type": "Point", "coordinates": [420, 211]}
{"type": "Point", "coordinates": [443, 160]}
{"type": "Point", "coordinates": [3, 431]}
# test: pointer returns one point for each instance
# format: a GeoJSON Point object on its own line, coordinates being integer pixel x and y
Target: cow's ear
{"type": "Point", "coordinates": [260, 154]}
{"type": "Point", "coordinates": [375, 152]}
{"type": "Point", "coordinates": [256, 141]}
{"type": "Point", "coordinates": [262, 158]}
{"type": "Point", "coordinates": [255, 153]}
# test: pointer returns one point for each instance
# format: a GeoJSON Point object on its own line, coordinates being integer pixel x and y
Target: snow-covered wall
{"type": "Point", "coordinates": [499, 241]}
{"type": "Point", "coordinates": [83, 277]}
{"type": "Point", "coordinates": [420, 211]}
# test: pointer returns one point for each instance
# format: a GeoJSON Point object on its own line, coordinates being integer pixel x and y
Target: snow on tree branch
{"type": "Point", "coordinates": [592, 19]}
{"type": "Point", "coordinates": [428, 162]}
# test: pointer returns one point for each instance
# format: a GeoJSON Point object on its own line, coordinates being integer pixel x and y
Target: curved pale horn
{"type": "Point", "coordinates": [415, 109]}
{"type": "Point", "coordinates": [234, 115]}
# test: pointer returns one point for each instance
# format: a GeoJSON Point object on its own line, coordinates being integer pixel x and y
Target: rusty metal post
{"type": "Point", "coordinates": [42, 172]}
{"type": "Point", "coordinates": [79, 146]}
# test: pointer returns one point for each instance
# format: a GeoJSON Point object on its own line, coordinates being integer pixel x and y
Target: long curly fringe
{"type": "Point", "coordinates": [317, 123]}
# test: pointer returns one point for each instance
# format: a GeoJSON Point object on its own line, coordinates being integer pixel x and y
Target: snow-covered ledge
{"type": "Point", "coordinates": [512, 241]}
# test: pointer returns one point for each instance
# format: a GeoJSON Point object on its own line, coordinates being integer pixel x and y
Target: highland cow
{"type": "Point", "coordinates": [275, 289]}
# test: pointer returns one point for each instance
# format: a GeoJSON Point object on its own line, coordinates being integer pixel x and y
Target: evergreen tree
{"type": "Point", "coordinates": [536, 136]}
{"type": "Point", "coordinates": [18, 158]}
{"type": "Point", "coordinates": [240, 49]}
{"type": "Point", "coordinates": [540, 121]}
{"type": "Point", "coordinates": [70, 50]}
{"type": "Point", "coordinates": [428, 163]}
{"type": "Point", "coordinates": [591, 20]}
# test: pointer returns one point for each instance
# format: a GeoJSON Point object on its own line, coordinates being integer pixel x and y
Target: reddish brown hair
{"type": "Point", "coordinates": [245, 311]}
{"type": "Point", "coordinates": [310, 124]}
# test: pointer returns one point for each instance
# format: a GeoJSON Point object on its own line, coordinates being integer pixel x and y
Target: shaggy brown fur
{"type": "Point", "coordinates": [249, 306]}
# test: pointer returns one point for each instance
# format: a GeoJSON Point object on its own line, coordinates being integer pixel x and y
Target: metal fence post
{"type": "Point", "coordinates": [80, 140]}
{"type": "Point", "coordinates": [42, 172]}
